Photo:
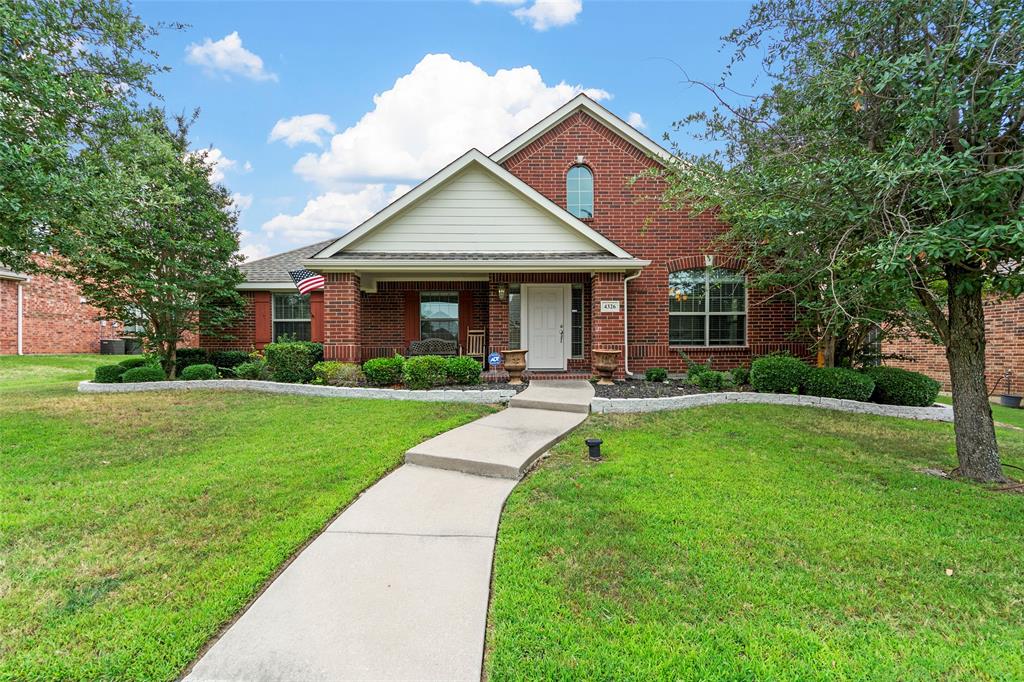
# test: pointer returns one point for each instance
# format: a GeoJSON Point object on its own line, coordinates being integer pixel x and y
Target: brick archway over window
{"type": "Point", "coordinates": [697, 262]}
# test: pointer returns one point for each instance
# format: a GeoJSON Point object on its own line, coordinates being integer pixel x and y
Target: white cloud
{"type": "Point", "coordinates": [545, 14]}
{"type": "Point", "coordinates": [218, 163]}
{"type": "Point", "coordinates": [333, 213]}
{"type": "Point", "coordinates": [241, 201]}
{"type": "Point", "coordinates": [305, 128]}
{"type": "Point", "coordinates": [246, 167]}
{"type": "Point", "coordinates": [253, 251]}
{"type": "Point", "coordinates": [636, 120]}
{"type": "Point", "coordinates": [225, 57]}
{"type": "Point", "coordinates": [432, 115]}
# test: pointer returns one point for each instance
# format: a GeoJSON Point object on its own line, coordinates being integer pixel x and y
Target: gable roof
{"type": "Point", "coordinates": [474, 159]}
{"type": "Point", "coordinates": [582, 102]}
{"type": "Point", "coordinates": [274, 269]}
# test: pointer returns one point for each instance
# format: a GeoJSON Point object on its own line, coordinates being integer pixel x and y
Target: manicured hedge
{"type": "Point", "coordinates": [143, 374]}
{"type": "Point", "coordinates": [463, 370]}
{"type": "Point", "coordinates": [135, 361]}
{"type": "Point", "coordinates": [837, 382]}
{"type": "Point", "coordinates": [292, 361]}
{"type": "Point", "coordinates": [333, 373]}
{"type": "Point", "coordinates": [190, 356]}
{"type": "Point", "coordinates": [425, 371]}
{"type": "Point", "coordinates": [778, 374]}
{"type": "Point", "coordinates": [695, 369]}
{"type": "Point", "coordinates": [656, 374]}
{"type": "Point", "coordinates": [710, 380]}
{"type": "Point", "coordinates": [109, 374]}
{"type": "Point", "coordinates": [384, 371]}
{"type": "Point", "coordinates": [228, 359]}
{"type": "Point", "coordinates": [740, 375]}
{"type": "Point", "coordinates": [254, 369]}
{"type": "Point", "coordinates": [199, 373]}
{"type": "Point", "coordinates": [895, 386]}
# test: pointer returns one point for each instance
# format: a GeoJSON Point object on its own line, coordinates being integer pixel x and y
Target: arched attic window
{"type": "Point", "coordinates": [579, 192]}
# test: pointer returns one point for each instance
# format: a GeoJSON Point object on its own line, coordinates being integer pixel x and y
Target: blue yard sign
{"type": "Point", "coordinates": [494, 359]}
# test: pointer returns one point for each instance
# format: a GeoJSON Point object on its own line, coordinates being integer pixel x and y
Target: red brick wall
{"type": "Point", "coordinates": [631, 216]}
{"type": "Point", "coordinates": [342, 317]}
{"type": "Point", "coordinates": [8, 317]}
{"type": "Point", "coordinates": [1004, 348]}
{"type": "Point", "coordinates": [239, 336]}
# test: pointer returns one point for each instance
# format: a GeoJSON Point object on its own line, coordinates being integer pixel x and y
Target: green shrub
{"type": "Point", "coordinates": [838, 382]}
{"type": "Point", "coordinates": [895, 386]}
{"type": "Point", "coordinates": [135, 361]}
{"type": "Point", "coordinates": [463, 370]}
{"type": "Point", "coordinates": [140, 374]}
{"type": "Point", "coordinates": [778, 374]}
{"type": "Point", "coordinates": [228, 359]}
{"type": "Point", "coordinates": [109, 374]}
{"type": "Point", "coordinates": [292, 361]}
{"type": "Point", "coordinates": [384, 371]}
{"type": "Point", "coordinates": [740, 375]}
{"type": "Point", "coordinates": [185, 357]}
{"type": "Point", "coordinates": [254, 369]}
{"type": "Point", "coordinates": [333, 373]}
{"type": "Point", "coordinates": [656, 374]}
{"type": "Point", "coordinates": [710, 380]}
{"type": "Point", "coordinates": [199, 373]}
{"type": "Point", "coordinates": [695, 369]}
{"type": "Point", "coordinates": [425, 371]}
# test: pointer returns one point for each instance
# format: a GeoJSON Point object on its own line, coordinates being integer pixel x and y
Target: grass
{"type": "Point", "coordinates": [747, 542]}
{"type": "Point", "coordinates": [1005, 415]}
{"type": "Point", "coordinates": [133, 526]}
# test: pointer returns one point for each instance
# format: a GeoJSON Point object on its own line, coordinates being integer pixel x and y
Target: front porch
{"type": "Point", "coordinates": [557, 316]}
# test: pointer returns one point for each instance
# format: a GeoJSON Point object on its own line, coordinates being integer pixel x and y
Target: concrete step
{"type": "Point", "coordinates": [501, 445]}
{"type": "Point", "coordinates": [560, 396]}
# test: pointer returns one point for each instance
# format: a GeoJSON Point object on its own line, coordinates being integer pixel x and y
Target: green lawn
{"type": "Point", "coordinates": [133, 526]}
{"type": "Point", "coordinates": [756, 542]}
{"type": "Point", "coordinates": [1006, 415]}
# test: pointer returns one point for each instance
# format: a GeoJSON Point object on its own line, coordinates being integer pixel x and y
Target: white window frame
{"type": "Point", "coordinates": [707, 314]}
{"type": "Point", "coordinates": [274, 319]}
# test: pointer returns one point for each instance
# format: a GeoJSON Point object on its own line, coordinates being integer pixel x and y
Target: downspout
{"type": "Point", "coordinates": [21, 310]}
{"type": "Point", "coordinates": [625, 321]}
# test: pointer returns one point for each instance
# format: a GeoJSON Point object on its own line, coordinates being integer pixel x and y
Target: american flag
{"type": "Point", "coordinates": [307, 280]}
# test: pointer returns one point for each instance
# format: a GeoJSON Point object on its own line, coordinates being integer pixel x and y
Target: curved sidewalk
{"type": "Point", "coordinates": [397, 586]}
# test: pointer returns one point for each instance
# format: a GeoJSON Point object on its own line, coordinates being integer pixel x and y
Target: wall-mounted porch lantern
{"type": "Point", "coordinates": [503, 293]}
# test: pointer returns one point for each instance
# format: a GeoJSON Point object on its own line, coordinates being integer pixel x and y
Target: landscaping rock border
{"type": "Point", "coordinates": [940, 413]}
{"type": "Point", "coordinates": [481, 396]}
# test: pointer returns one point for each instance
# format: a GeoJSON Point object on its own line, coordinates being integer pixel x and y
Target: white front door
{"type": "Point", "coordinates": [545, 327]}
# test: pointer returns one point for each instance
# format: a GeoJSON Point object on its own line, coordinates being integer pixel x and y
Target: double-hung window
{"type": "Point", "coordinates": [439, 315]}
{"type": "Point", "coordinates": [707, 307]}
{"type": "Point", "coordinates": [291, 317]}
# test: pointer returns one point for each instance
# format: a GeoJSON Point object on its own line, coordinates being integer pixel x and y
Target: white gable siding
{"type": "Point", "coordinates": [474, 212]}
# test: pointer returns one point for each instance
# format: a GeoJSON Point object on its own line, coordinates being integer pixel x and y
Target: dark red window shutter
{"type": "Point", "coordinates": [412, 316]}
{"type": "Point", "coordinates": [316, 316]}
{"type": "Point", "coordinates": [465, 315]}
{"type": "Point", "coordinates": [261, 308]}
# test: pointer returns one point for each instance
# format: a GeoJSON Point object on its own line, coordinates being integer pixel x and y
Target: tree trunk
{"type": "Point", "coordinates": [171, 359]}
{"type": "Point", "coordinates": [976, 447]}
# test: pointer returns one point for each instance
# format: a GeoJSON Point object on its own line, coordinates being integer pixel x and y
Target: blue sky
{"type": "Point", "coordinates": [320, 113]}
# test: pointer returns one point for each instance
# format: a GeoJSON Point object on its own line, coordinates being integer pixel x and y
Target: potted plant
{"type": "Point", "coordinates": [515, 363]}
{"type": "Point", "coordinates": [1007, 398]}
{"type": "Point", "coordinates": [606, 361]}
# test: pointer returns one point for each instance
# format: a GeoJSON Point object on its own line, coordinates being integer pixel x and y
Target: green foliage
{"type": "Point", "coordinates": [292, 361]}
{"type": "Point", "coordinates": [710, 380]}
{"type": "Point", "coordinates": [778, 374]}
{"type": "Point", "coordinates": [186, 357]}
{"type": "Point", "coordinates": [253, 369]}
{"type": "Point", "coordinates": [143, 374]}
{"type": "Point", "coordinates": [228, 359]}
{"type": "Point", "coordinates": [199, 373]}
{"type": "Point", "coordinates": [463, 370]}
{"type": "Point", "coordinates": [695, 369]}
{"type": "Point", "coordinates": [109, 374]}
{"type": "Point", "coordinates": [425, 371]}
{"type": "Point", "coordinates": [135, 361]}
{"type": "Point", "coordinates": [68, 71]}
{"type": "Point", "coordinates": [384, 371]}
{"type": "Point", "coordinates": [895, 386]}
{"type": "Point", "coordinates": [838, 382]}
{"type": "Point", "coordinates": [333, 373]}
{"type": "Point", "coordinates": [656, 374]}
{"type": "Point", "coordinates": [740, 375]}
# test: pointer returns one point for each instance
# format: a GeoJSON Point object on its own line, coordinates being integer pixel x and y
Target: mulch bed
{"type": "Point", "coordinates": [645, 389]}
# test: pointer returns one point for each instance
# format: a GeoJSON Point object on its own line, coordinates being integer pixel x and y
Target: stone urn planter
{"type": "Point", "coordinates": [515, 363]}
{"type": "Point", "coordinates": [605, 364]}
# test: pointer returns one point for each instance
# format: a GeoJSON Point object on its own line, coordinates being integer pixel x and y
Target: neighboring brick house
{"type": "Point", "coordinates": [555, 243]}
{"type": "Point", "coordinates": [1004, 348]}
{"type": "Point", "coordinates": [40, 314]}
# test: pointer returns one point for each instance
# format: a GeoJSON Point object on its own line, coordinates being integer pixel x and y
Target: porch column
{"type": "Point", "coordinates": [607, 328]}
{"type": "Point", "coordinates": [342, 317]}
{"type": "Point", "coordinates": [497, 318]}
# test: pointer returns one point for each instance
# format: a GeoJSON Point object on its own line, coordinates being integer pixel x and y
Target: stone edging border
{"type": "Point", "coordinates": [482, 396]}
{"type": "Point", "coordinates": [941, 413]}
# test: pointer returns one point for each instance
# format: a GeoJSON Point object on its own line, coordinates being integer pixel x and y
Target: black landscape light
{"type": "Point", "coordinates": [594, 444]}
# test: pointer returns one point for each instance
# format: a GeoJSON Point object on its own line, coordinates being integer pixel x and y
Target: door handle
{"type": "Point", "coordinates": [561, 333]}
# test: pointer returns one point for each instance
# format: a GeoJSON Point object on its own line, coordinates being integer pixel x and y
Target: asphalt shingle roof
{"type": "Point", "coordinates": [276, 268]}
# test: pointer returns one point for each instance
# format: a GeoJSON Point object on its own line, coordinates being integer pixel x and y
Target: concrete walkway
{"type": "Point", "coordinates": [396, 588]}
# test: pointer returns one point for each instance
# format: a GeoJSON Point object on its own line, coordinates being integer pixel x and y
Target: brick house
{"type": "Point", "coordinates": [555, 243]}
{"type": "Point", "coordinates": [1004, 348]}
{"type": "Point", "coordinates": [40, 314]}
